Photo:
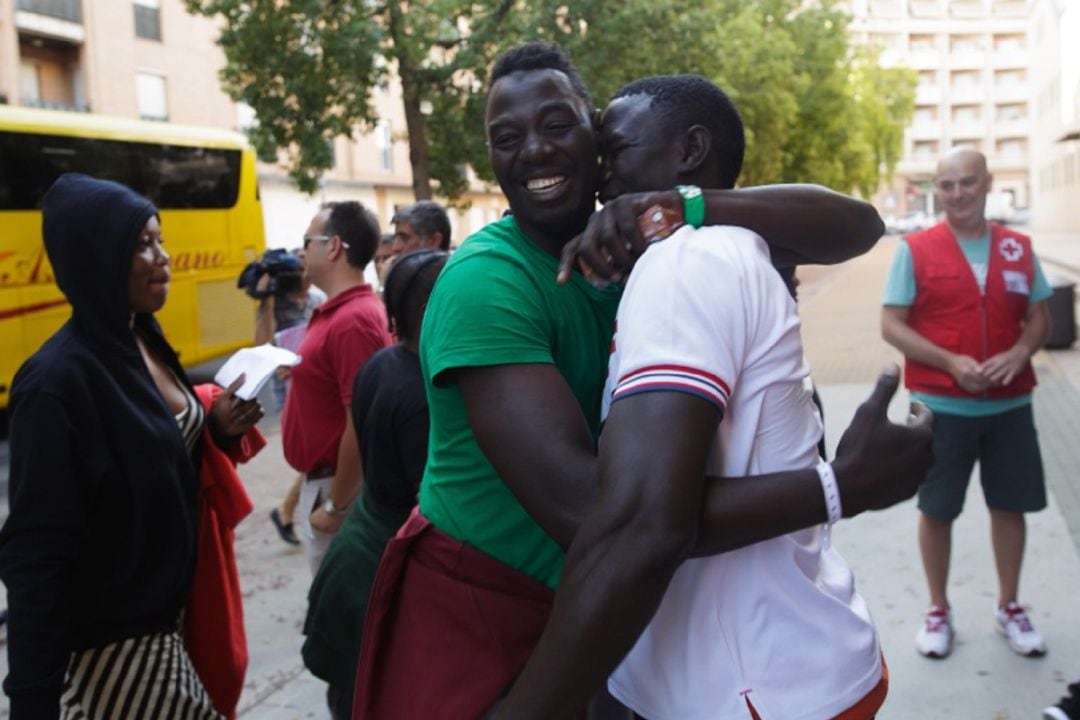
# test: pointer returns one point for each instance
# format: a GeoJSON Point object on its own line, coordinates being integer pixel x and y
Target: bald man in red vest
{"type": "Point", "coordinates": [965, 303]}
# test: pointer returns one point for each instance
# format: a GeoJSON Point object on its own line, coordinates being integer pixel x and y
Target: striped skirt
{"type": "Point", "coordinates": [137, 678]}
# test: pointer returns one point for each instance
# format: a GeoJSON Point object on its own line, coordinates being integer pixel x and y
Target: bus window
{"type": "Point", "coordinates": [174, 177]}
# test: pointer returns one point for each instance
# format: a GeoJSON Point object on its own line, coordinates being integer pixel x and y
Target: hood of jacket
{"type": "Point", "coordinates": [91, 227]}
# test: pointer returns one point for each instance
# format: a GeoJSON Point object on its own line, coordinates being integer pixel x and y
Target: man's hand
{"type": "Point", "coordinates": [968, 373]}
{"type": "Point", "coordinates": [231, 417]}
{"type": "Point", "coordinates": [879, 463]}
{"type": "Point", "coordinates": [1003, 367]}
{"type": "Point", "coordinates": [324, 522]}
{"type": "Point", "coordinates": [613, 241]}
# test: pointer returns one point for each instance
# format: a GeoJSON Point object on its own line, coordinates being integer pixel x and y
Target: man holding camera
{"type": "Point", "coordinates": [286, 300]}
{"type": "Point", "coordinates": [316, 427]}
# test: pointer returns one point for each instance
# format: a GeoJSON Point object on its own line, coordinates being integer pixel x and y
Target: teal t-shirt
{"type": "Point", "coordinates": [900, 292]}
{"type": "Point", "coordinates": [497, 303]}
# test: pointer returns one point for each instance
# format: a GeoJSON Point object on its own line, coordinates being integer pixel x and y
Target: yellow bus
{"type": "Point", "coordinates": [203, 182]}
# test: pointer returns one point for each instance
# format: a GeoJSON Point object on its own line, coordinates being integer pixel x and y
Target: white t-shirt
{"type": "Point", "coordinates": [778, 622]}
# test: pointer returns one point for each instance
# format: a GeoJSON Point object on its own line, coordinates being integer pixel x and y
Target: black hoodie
{"type": "Point", "coordinates": [101, 540]}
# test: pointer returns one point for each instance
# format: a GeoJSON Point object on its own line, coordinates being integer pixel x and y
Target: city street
{"type": "Point", "coordinates": [982, 680]}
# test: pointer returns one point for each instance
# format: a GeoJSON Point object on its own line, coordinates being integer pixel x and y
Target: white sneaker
{"type": "Point", "coordinates": [1013, 622]}
{"type": "Point", "coordinates": [935, 637]}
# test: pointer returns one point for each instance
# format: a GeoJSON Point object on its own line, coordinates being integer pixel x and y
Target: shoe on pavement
{"type": "Point", "coordinates": [1068, 708]}
{"type": "Point", "coordinates": [284, 529]}
{"type": "Point", "coordinates": [1013, 622]}
{"type": "Point", "coordinates": [935, 637]}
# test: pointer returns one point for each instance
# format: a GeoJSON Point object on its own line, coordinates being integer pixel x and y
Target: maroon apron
{"type": "Point", "coordinates": [447, 631]}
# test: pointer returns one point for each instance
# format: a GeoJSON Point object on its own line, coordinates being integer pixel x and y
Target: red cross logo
{"type": "Point", "coordinates": [1010, 249]}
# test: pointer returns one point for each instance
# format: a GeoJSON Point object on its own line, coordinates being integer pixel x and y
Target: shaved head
{"type": "Point", "coordinates": [961, 185]}
{"type": "Point", "coordinates": [966, 158]}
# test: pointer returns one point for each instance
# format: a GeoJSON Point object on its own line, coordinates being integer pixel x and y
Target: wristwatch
{"type": "Point", "coordinates": [693, 205]}
{"type": "Point", "coordinates": [333, 510]}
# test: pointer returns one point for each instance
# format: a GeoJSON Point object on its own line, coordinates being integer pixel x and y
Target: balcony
{"type": "Point", "coordinates": [924, 59]}
{"type": "Point", "coordinates": [1010, 8]}
{"type": "Point", "coordinates": [1011, 92]}
{"type": "Point", "coordinates": [886, 8]}
{"type": "Point", "coordinates": [60, 9]}
{"type": "Point", "coordinates": [1015, 128]}
{"type": "Point", "coordinates": [926, 8]}
{"type": "Point", "coordinates": [45, 105]}
{"type": "Point", "coordinates": [967, 94]}
{"type": "Point", "coordinates": [968, 9]}
{"type": "Point", "coordinates": [927, 130]}
{"type": "Point", "coordinates": [968, 130]}
{"type": "Point", "coordinates": [1010, 58]}
{"type": "Point", "coordinates": [53, 19]}
{"type": "Point", "coordinates": [967, 59]}
{"type": "Point", "coordinates": [928, 95]}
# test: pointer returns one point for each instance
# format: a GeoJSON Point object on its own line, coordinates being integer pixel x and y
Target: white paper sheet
{"type": "Point", "coordinates": [257, 364]}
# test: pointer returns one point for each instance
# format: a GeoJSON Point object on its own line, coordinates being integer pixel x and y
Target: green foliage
{"type": "Point", "coordinates": [815, 110]}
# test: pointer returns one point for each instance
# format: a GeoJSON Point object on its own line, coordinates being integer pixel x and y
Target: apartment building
{"type": "Point", "coordinates": [975, 86]}
{"type": "Point", "coordinates": [150, 59]}
{"type": "Point", "coordinates": [1055, 146]}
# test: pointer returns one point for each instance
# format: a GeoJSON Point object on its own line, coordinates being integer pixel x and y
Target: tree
{"type": "Point", "coordinates": [309, 68]}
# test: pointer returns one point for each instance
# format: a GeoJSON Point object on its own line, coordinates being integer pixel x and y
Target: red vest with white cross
{"type": "Point", "coordinates": [950, 312]}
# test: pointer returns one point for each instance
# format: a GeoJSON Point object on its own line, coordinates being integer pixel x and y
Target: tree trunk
{"type": "Point", "coordinates": [416, 126]}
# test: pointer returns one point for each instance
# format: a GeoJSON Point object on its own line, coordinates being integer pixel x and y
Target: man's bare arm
{"type": "Point", "coordinates": [652, 458]}
{"type": "Point", "coordinates": [529, 426]}
{"type": "Point", "coordinates": [264, 323]}
{"type": "Point", "coordinates": [348, 478]}
{"type": "Point", "coordinates": [803, 224]}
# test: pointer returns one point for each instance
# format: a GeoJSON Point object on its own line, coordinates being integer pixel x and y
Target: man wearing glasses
{"type": "Point", "coordinates": [316, 428]}
{"type": "Point", "coordinates": [966, 305]}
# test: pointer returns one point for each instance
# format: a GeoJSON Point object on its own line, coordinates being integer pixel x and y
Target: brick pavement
{"type": "Point", "coordinates": [839, 311]}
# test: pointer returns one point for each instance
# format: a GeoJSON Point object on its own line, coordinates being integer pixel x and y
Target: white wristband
{"type": "Point", "coordinates": [831, 490]}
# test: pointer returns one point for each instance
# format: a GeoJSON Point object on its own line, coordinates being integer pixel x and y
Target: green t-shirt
{"type": "Point", "coordinates": [497, 303]}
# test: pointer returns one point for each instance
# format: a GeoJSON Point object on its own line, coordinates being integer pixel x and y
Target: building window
{"type": "Point", "coordinates": [151, 96]}
{"type": "Point", "coordinates": [148, 19]}
{"type": "Point", "coordinates": [29, 83]}
{"type": "Point", "coordinates": [385, 143]}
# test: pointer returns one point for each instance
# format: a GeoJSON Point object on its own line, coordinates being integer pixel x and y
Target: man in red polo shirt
{"type": "Point", "coordinates": [316, 428]}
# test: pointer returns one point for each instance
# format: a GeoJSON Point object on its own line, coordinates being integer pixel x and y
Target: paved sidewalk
{"type": "Point", "coordinates": [983, 680]}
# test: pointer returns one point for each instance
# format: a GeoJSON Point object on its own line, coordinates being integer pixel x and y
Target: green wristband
{"type": "Point", "coordinates": [693, 205]}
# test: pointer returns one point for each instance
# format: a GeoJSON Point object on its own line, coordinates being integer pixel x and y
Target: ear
{"type": "Point", "coordinates": [337, 248]}
{"type": "Point", "coordinates": [696, 149]}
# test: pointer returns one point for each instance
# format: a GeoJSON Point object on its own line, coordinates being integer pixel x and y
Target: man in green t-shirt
{"type": "Point", "coordinates": [514, 368]}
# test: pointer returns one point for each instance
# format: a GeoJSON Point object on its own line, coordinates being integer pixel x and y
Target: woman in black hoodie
{"type": "Point", "coordinates": [99, 550]}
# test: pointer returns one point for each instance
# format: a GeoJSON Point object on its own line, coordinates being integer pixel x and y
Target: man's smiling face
{"type": "Point", "coordinates": [542, 147]}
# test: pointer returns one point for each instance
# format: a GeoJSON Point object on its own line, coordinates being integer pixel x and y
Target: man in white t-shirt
{"type": "Point", "coordinates": [707, 373]}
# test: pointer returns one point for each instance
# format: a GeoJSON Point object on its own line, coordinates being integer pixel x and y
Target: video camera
{"type": "Point", "coordinates": [285, 270]}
